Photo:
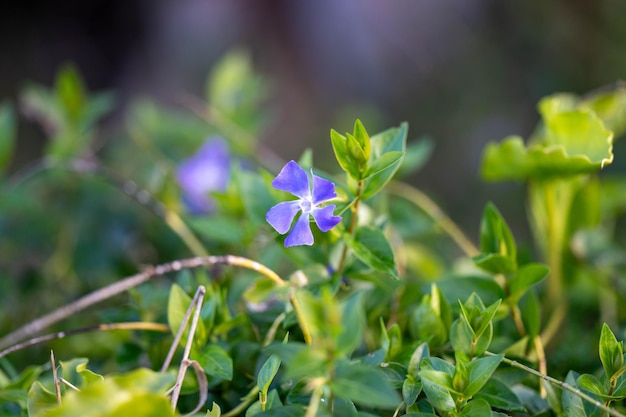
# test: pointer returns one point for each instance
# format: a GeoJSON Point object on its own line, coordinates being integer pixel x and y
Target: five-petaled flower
{"type": "Point", "coordinates": [293, 179]}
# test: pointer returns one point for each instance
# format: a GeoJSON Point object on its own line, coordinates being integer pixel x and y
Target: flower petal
{"type": "Point", "coordinates": [325, 219]}
{"type": "Point", "coordinates": [293, 179]}
{"type": "Point", "coordinates": [281, 215]}
{"type": "Point", "coordinates": [301, 233]}
{"type": "Point", "coordinates": [323, 190]}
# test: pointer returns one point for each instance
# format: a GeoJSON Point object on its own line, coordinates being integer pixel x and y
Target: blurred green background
{"type": "Point", "coordinates": [461, 72]}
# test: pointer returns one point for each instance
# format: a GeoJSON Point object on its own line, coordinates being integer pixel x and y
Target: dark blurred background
{"type": "Point", "coordinates": [461, 72]}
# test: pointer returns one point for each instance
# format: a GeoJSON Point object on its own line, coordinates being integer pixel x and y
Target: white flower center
{"type": "Point", "coordinates": [306, 205]}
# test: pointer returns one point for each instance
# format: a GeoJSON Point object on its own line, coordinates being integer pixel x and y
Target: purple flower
{"type": "Point", "coordinates": [293, 179]}
{"type": "Point", "coordinates": [207, 170]}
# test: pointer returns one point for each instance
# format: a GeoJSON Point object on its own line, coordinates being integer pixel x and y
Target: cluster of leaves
{"type": "Point", "coordinates": [382, 315]}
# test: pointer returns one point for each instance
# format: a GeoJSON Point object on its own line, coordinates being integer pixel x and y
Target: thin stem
{"type": "Point", "coordinates": [297, 308]}
{"type": "Point", "coordinates": [57, 385]}
{"type": "Point", "coordinates": [156, 327]}
{"type": "Point", "coordinates": [563, 385]}
{"type": "Point", "coordinates": [354, 207]}
{"type": "Point", "coordinates": [126, 284]}
{"type": "Point", "coordinates": [429, 207]}
{"type": "Point", "coordinates": [314, 402]}
{"type": "Point", "coordinates": [196, 303]}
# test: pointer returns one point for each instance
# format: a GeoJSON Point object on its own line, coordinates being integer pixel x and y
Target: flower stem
{"type": "Point", "coordinates": [354, 206]}
{"type": "Point", "coordinates": [563, 385]}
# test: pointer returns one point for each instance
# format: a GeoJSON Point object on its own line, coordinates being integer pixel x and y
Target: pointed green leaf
{"type": "Point", "coordinates": [343, 155]}
{"type": "Point", "coordinates": [611, 352]}
{"type": "Point", "coordinates": [364, 385]}
{"type": "Point", "coordinates": [531, 314]}
{"type": "Point", "coordinates": [476, 408]}
{"type": "Point", "coordinates": [371, 246]}
{"type": "Point", "coordinates": [391, 140]}
{"type": "Point", "coordinates": [216, 362]}
{"type": "Point", "coordinates": [420, 353]}
{"type": "Point", "coordinates": [177, 306]}
{"type": "Point", "coordinates": [267, 373]}
{"type": "Point", "coordinates": [499, 252]}
{"type": "Point", "coordinates": [479, 371]}
{"type": "Point", "coordinates": [411, 388]}
{"type": "Point", "coordinates": [360, 134]}
{"type": "Point", "coordinates": [356, 153]}
{"type": "Point", "coordinates": [500, 396]}
{"type": "Point", "coordinates": [437, 386]}
{"type": "Point", "coordinates": [214, 411]}
{"type": "Point", "coordinates": [385, 161]}
{"type": "Point", "coordinates": [572, 404]}
{"type": "Point", "coordinates": [591, 383]}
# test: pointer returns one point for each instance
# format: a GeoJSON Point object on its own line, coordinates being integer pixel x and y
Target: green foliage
{"type": "Point", "coordinates": [380, 316]}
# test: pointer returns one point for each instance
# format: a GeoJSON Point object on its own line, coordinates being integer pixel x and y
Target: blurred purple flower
{"type": "Point", "coordinates": [207, 170]}
{"type": "Point", "coordinates": [293, 179]}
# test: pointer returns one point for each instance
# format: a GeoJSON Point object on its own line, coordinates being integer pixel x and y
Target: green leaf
{"type": "Point", "coordinates": [177, 306]}
{"type": "Point", "coordinates": [384, 162]}
{"type": "Point", "coordinates": [427, 325]}
{"type": "Point", "coordinates": [76, 372]}
{"type": "Point", "coordinates": [411, 388]}
{"type": "Point", "coordinates": [356, 153]}
{"type": "Point", "coordinates": [360, 134]}
{"type": "Point", "coordinates": [40, 400]}
{"type": "Point", "coordinates": [216, 362]}
{"type": "Point", "coordinates": [572, 404]}
{"type": "Point", "coordinates": [344, 156]}
{"type": "Point", "coordinates": [437, 386]}
{"type": "Point", "coordinates": [610, 106]}
{"type": "Point", "coordinates": [267, 373]}
{"type": "Point", "coordinates": [479, 371]}
{"type": "Point", "coordinates": [611, 352]}
{"type": "Point", "coordinates": [371, 246]}
{"type": "Point", "coordinates": [364, 385]}
{"type": "Point", "coordinates": [591, 383]}
{"type": "Point", "coordinates": [391, 140]}
{"type": "Point", "coordinates": [420, 353]}
{"type": "Point", "coordinates": [576, 142]}
{"type": "Point", "coordinates": [500, 396]}
{"type": "Point", "coordinates": [109, 399]}
{"type": "Point", "coordinates": [525, 277]}
{"type": "Point", "coordinates": [476, 408]}
{"type": "Point", "coordinates": [499, 252]}
{"type": "Point", "coordinates": [8, 127]}
{"type": "Point", "coordinates": [214, 411]}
